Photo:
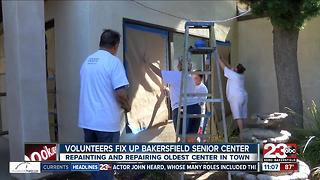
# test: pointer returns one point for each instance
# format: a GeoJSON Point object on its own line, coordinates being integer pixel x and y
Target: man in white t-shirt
{"type": "Point", "coordinates": [236, 92]}
{"type": "Point", "coordinates": [173, 78]}
{"type": "Point", "coordinates": [102, 95]}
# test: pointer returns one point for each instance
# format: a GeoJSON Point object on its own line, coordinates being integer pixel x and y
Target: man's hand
{"type": "Point", "coordinates": [122, 97]}
{"type": "Point", "coordinates": [166, 91]}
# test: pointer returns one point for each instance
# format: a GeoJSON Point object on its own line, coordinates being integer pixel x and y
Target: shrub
{"type": "Point", "coordinates": [309, 139]}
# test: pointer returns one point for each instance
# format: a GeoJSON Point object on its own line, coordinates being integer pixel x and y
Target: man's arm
{"type": "Point", "coordinates": [155, 69]}
{"type": "Point", "coordinates": [122, 97]}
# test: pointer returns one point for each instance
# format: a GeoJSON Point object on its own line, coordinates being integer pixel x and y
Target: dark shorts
{"type": "Point", "coordinates": [192, 123]}
{"type": "Point", "coordinates": [92, 136]}
{"type": "Point", "coordinates": [100, 136]}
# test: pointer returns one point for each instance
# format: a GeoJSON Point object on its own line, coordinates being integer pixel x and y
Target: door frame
{"type": "Point", "coordinates": [149, 28]}
{"type": "Point", "coordinates": [170, 42]}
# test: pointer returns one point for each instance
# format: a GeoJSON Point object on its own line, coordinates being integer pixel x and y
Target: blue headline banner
{"type": "Point", "coordinates": [158, 148]}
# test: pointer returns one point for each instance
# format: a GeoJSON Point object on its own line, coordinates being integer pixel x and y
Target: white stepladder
{"type": "Point", "coordinates": [214, 67]}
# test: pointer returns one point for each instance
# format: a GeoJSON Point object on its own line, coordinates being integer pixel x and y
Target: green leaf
{"type": "Point", "coordinates": [286, 14]}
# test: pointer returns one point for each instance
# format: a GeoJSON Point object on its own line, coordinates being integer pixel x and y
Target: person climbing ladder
{"type": "Point", "coordinates": [235, 91]}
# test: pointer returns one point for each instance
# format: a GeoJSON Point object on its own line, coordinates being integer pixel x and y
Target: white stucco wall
{"type": "Point", "coordinates": [71, 47]}
{"type": "Point", "coordinates": [110, 15]}
{"type": "Point", "coordinates": [256, 53]}
{"type": "Point", "coordinates": [78, 25]}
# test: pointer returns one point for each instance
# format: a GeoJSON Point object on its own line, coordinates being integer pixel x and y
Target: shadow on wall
{"type": "Point", "coordinates": [147, 98]}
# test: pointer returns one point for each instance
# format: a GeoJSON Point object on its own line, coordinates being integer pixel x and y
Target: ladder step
{"type": "Point", "coordinates": [201, 72]}
{"type": "Point", "coordinates": [215, 100]}
{"type": "Point", "coordinates": [196, 135]}
{"type": "Point", "coordinates": [198, 115]}
{"type": "Point", "coordinates": [202, 50]}
{"type": "Point", "coordinates": [199, 24]}
{"type": "Point", "coordinates": [198, 94]}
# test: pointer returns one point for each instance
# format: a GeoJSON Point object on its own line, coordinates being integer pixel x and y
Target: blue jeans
{"type": "Point", "coordinates": [192, 123]}
{"type": "Point", "coordinates": [92, 136]}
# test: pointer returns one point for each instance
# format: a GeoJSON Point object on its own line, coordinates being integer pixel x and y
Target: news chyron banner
{"type": "Point", "coordinates": [159, 152]}
{"type": "Point", "coordinates": [140, 157]}
{"type": "Point", "coordinates": [176, 157]}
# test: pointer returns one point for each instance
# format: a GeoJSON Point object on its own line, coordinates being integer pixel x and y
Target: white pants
{"type": "Point", "coordinates": [238, 104]}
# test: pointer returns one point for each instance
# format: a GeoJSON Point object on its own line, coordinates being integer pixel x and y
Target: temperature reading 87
{"type": "Point", "coordinates": [289, 166]}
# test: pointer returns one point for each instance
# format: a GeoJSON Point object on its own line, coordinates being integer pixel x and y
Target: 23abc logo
{"type": "Point", "coordinates": [105, 167]}
{"type": "Point", "coordinates": [280, 151]}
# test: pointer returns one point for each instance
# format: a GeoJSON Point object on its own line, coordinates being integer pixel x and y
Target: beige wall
{"type": "Point", "coordinates": [256, 53]}
{"type": "Point", "coordinates": [309, 61]}
{"type": "Point", "coordinates": [78, 25]}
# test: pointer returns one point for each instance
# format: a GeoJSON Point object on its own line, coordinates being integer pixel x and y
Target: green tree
{"type": "Point", "coordinates": [287, 17]}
